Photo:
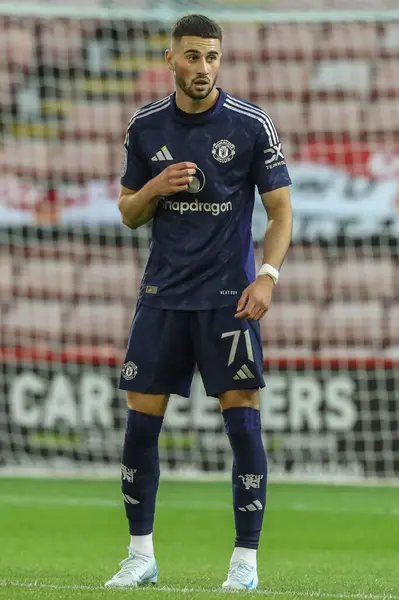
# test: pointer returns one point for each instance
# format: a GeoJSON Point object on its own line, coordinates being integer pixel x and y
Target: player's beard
{"type": "Point", "coordinates": [190, 90]}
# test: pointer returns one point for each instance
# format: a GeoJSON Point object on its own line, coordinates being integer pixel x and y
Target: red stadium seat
{"type": "Point", "coordinates": [116, 157]}
{"type": "Point", "coordinates": [27, 319]}
{"type": "Point", "coordinates": [290, 40]}
{"type": "Point", "coordinates": [26, 157]}
{"type": "Point", "coordinates": [387, 78]}
{"type": "Point", "coordinates": [289, 149]}
{"type": "Point", "coordinates": [303, 255]}
{"type": "Point", "coordinates": [82, 159]}
{"type": "Point", "coordinates": [335, 116]}
{"type": "Point", "coordinates": [382, 116]}
{"type": "Point", "coordinates": [47, 277]}
{"type": "Point", "coordinates": [277, 78]}
{"type": "Point", "coordinates": [350, 39]}
{"type": "Point", "coordinates": [8, 84]}
{"type": "Point", "coordinates": [302, 280]}
{"type": "Point", "coordinates": [110, 280]}
{"type": "Point", "coordinates": [63, 249]}
{"type": "Point", "coordinates": [154, 83]}
{"type": "Point", "coordinates": [352, 323]}
{"type": "Point", "coordinates": [287, 116]}
{"type": "Point", "coordinates": [365, 278]}
{"type": "Point", "coordinates": [272, 352]}
{"type": "Point", "coordinates": [289, 323]}
{"type": "Point", "coordinates": [309, 253]}
{"type": "Point", "coordinates": [6, 278]}
{"type": "Point", "coordinates": [96, 119]}
{"type": "Point", "coordinates": [98, 323]}
{"type": "Point", "coordinates": [113, 254]}
{"type": "Point", "coordinates": [241, 41]}
{"type": "Point", "coordinates": [349, 77]}
{"type": "Point", "coordinates": [341, 352]}
{"type": "Point", "coordinates": [235, 78]}
{"type": "Point", "coordinates": [17, 45]}
{"type": "Point", "coordinates": [61, 43]}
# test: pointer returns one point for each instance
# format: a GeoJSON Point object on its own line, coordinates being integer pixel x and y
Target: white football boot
{"type": "Point", "coordinates": [137, 569]}
{"type": "Point", "coordinates": [241, 576]}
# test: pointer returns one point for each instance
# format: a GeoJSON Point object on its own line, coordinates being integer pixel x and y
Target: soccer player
{"type": "Point", "coordinates": [192, 162]}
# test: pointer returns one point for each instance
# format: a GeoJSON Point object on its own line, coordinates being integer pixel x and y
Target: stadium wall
{"type": "Point", "coordinates": [322, 419]}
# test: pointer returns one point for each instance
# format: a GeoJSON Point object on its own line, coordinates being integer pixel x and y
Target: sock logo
{"type": "Point", "coordinates": [251, 481]}
{"type": "Point", "coordinates": [130, 500]}
{"type": "Point", "coordinates": [127, 474]}
{"type": "Point", "coordinates": [256, 505]}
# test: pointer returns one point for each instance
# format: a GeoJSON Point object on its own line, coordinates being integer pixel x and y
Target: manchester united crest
{"type": "Point", "coordinates": [129, 371]}
{"type": "Point", "coordinates": [223, 151]}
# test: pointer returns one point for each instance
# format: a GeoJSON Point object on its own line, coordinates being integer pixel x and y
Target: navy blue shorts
{"type": "Point", "coordinates": [165, 345]}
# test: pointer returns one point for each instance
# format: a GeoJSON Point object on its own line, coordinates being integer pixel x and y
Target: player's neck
{"type": "Point", "coordinates": [188, 105]}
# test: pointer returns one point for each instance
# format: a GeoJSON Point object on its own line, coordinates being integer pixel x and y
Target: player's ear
{"type": "Point", "coordinates": [168, 59]}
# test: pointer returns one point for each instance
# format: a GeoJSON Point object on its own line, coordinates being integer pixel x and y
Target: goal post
{"type": "Point", "coordinates": [70, 79]}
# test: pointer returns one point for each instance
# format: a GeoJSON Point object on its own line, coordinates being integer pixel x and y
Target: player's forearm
{"type": "Point", "coordinates": [139, 207]}
{"type": "Point", "coordinates": [277, 237]}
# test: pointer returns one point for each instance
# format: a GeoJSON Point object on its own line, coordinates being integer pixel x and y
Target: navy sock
{"type": "Point", "coordinates": [242, 425]}
{"type": "Point", "coordinates": [140, 470]}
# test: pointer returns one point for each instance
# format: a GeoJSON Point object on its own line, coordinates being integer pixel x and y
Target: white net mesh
{"type": "Point", "coordinates": [70, 273]}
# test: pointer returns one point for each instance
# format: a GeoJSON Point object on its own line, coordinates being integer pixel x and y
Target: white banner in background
{"type": "Point", "coordinates": [322, 195]}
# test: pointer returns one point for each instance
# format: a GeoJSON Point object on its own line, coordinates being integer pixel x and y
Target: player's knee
{"type": "Point", "coordinates": [149, 404]}
{"type": "Point", "coordinates": [237, 398]}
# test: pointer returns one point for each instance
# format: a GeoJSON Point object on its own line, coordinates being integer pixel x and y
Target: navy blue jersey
{"type": "Point", "coordinates": [201, 254]}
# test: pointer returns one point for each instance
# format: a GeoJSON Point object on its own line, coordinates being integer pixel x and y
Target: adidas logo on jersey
{"type": "Point", "coordinates": [243, 373]}
{"type": "Point", "coordinates": [163, 154]}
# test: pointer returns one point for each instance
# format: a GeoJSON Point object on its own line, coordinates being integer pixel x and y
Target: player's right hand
{"type": "Point", "coordinates": [175, 178]}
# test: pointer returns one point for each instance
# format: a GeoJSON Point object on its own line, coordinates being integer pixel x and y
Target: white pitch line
{"type": "Point", "coordinates": [62, 501]}
{"type": "Point", "coordinates": [102, 502]}
{"type": "Point", "coordinates": [96, 502]}
{"type": "Point", "coordinates": [194, 590]}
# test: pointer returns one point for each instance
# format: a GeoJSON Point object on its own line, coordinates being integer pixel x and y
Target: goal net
{"type": "Point", "coordinates": [70, 79]}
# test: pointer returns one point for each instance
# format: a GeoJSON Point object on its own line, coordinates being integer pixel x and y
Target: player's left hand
{"type": "Point", "coordinates": [255, 299]}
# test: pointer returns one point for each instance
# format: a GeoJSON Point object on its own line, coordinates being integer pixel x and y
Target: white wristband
{"type": "Point", "coordinates": [269, 270]}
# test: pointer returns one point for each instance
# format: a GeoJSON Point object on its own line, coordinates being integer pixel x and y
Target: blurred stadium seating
{"type": "Point", "coordinates": [67, 90]}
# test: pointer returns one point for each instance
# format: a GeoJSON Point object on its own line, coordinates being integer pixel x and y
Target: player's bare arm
{"type": "Point", "coordinates": [255, 299]}
{"type": "Point", "coordinates": [277, 204]}
{"type": "Point", "coordinates": [138, 207]}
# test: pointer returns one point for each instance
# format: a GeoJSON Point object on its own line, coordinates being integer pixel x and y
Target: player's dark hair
{"type": "Point", "coordinates": [197, 26]}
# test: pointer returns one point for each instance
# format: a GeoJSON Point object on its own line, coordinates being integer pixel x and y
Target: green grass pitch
{"type": "Point", "coordinates": [62, 539]}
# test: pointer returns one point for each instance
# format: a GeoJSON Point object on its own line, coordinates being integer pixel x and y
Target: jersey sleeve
{"type": "Point", "coordinates": [135, 170]}
{"type": "Point", "coordinates": [269, 169]}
